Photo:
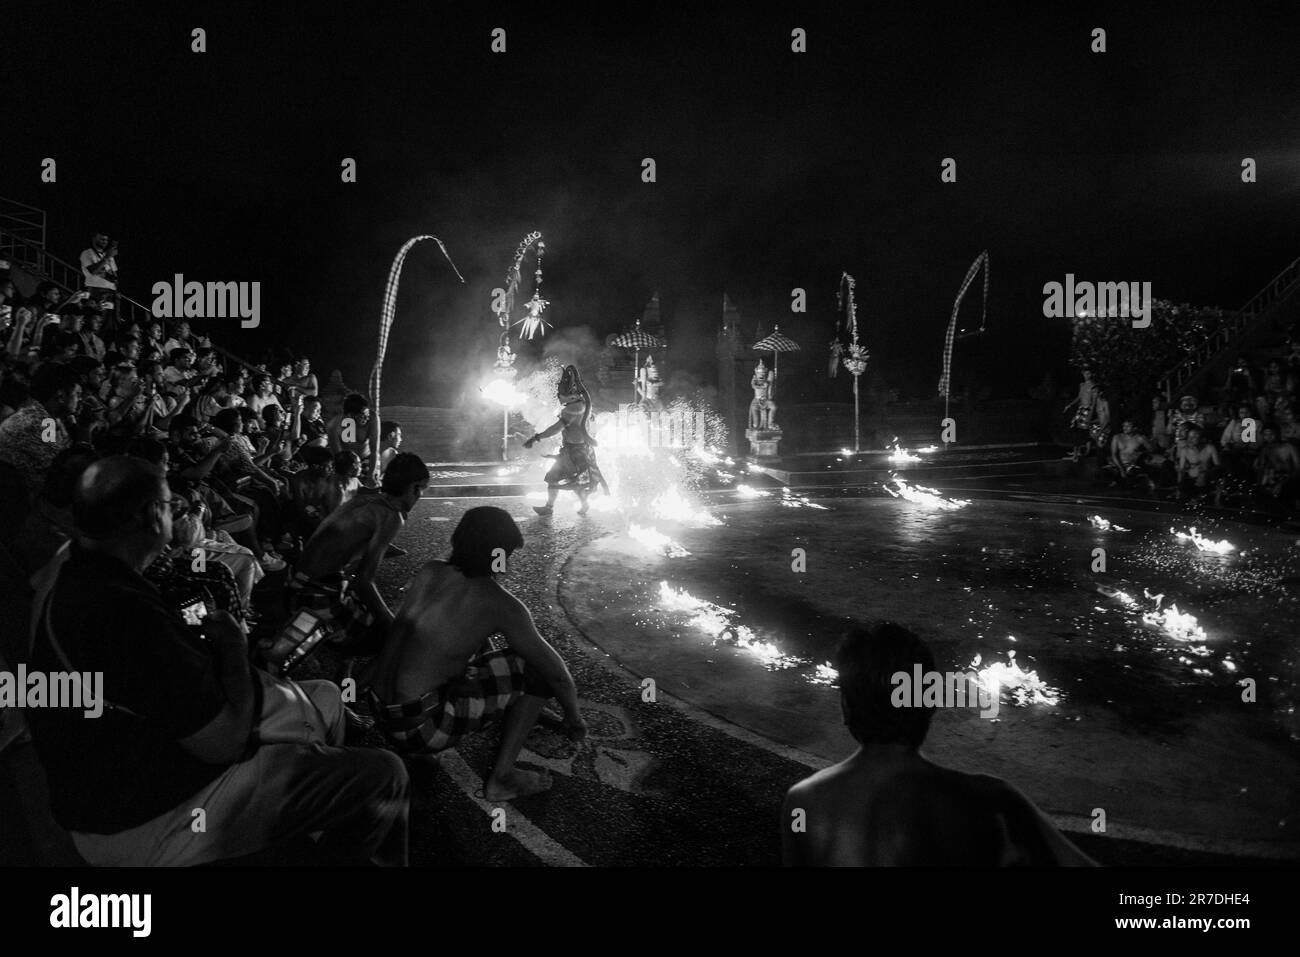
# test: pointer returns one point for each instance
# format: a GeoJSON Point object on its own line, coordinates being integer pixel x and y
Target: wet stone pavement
{"type": "Point", "coordinates": [657, 783]}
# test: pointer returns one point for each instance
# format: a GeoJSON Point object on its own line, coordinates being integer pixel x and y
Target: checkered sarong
{"type": "Point", "coordinates": [437, 720]}
{"type": "Point", "coordinates": [347, 618]}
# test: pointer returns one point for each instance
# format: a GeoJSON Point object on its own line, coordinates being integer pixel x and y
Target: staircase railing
{"type": "Point", "coordinates": [25, 222]}
{"type": "Point", "coordinates": [1280, 288]}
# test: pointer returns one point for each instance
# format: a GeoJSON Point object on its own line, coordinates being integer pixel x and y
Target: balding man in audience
{"type": "Point", "coordinates": [178, 739]}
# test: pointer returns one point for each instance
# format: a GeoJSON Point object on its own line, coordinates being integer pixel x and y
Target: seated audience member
{"type": "Point", "coordinates": [347, 479]}
{"type": "Point", "coordinates": [1186, 415]}
{"type": "Point", "coordinates": [180, 709]}
{"type": "Point", "coordinates": [335, 577]}
{"type": "Point", "coordinates": [349, 431]}
{"type": "Point", "coordinates": [278, 450]}
{"type": "Point", "coordinates": [1128, 454]}
{"type": "Point", "coordinates": [437, 678]}
{"type": "Point", "coordinates": [1277, 468]}
{"type": "Point", "coordinates": [312, 427]}
{"type": "Point", "coordinates": [183, 338]}
{"type": "Point", "coordinates": [1288, 429]}
{"type": "Point", "coordinates": [1239, 385]}
{"type": "Point", "coordinates": [303, 379]}
{"type": "Point", "coordinates": [175, 572]}
{"type": "Point", "coordinates": [1160, 437]}
{"type": "Point", "coordinates": [1277, 382]}
{"type": "Point", "coordinates": [32, 437]}
{"type": "Point", "coordinates": [180, 370]}
{"type": "Point", "coordinates": [92, 343]}
{"type": "Point", "coordinates": [48, 527]}
{"type": "Point", "coordinates": [311, 493]}
{"type": "Point", "coordinates": [888, 805]}
{"type": "Point", "coordinates": [244, 479]}
{"type": "Point", "coordinates": [1197, 463]}
{"type": "Point", "coordinates": [263, 394]}
{"type": "Point", "coordinates": [390, 441]}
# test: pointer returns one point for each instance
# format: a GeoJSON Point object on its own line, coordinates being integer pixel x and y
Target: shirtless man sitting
{"type": "Point", "coordinates": [1128, 452]}
{"type": "Point", "coordinates": [1196, 459]}
{"type": "Point", "coordinates": [1278, 466]}
{"type": "Point", "coordinates": [335, 578]}
{"type": "Point", "coordinates": [889, 806]}
{"type": "Point", "coordinates": [438, 679]}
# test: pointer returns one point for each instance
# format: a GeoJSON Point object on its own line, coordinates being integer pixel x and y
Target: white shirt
{"type": "Point", "coordinates": [90, 257]}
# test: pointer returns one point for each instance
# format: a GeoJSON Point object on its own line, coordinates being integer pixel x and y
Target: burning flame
{"type": "Point", "coordinates": [716, 621]}
{"type": "Point", "coordinates": [748, 491]}
{"type": "Point", "coordinates": [672, 506]}
{"type": "Point", "coordinates": [1096, 521]}
{"type": "Point", "coordinates": [1203, 544]}
{"type": "Point", "coordinates": [1176, 624]}
{"type": "Point", "coordinates": [924, 496]}
{"type": "Point", "coordinates": [791, 500]}
{"type": "Point", "coordinates": [1024, 687]}
{"type": "Point", "coordinates": [656, 541]}
{"type": "Point", "coordinates": [503, 393]}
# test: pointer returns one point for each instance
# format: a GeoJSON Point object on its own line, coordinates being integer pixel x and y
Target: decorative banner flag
{"type": "Point", "coordinates": [532, 322]}
{"type": "Point", "coordinates": [386, 317]}
{"type": "Point", "coordinates": [945, 382]}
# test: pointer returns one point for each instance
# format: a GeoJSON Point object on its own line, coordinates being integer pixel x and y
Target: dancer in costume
{"type": "Point", "coordinates": [575, 465]}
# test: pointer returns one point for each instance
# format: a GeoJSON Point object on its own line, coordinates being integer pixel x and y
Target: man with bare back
{"type": "Point", "coordinates": [335, 578]}
{"type": "Point", "coordinates": [889, 806]}
{"type": "Point", "coordinates": [438, 678]}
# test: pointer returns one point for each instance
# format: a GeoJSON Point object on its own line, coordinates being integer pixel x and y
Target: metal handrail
{"type": "Point", "coordinates": [1280, 287]}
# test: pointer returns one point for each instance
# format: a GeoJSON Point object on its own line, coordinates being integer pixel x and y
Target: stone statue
{"type": "Point", "coordinates": [762, 411]}
{"type": "Point", "coordinates": [648, 385]}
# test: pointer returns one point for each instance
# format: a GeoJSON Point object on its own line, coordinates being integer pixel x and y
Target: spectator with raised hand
{"type": "Point", "coordinates": [99, 266]}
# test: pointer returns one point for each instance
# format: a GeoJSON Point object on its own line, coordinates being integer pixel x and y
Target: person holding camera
{"type": "Point", "coordinates": [188, 730]}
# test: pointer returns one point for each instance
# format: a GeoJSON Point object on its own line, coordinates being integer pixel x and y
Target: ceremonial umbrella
{"type": "Point", "coordinates": [776, 343]}
{"type": "Point", "coordinates": [636, 340]}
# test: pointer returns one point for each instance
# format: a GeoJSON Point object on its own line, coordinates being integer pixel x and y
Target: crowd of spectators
{"type": "Point", "coordinates": [146, 476]}
{"type": "Point", "coordinates": [1238, 449]}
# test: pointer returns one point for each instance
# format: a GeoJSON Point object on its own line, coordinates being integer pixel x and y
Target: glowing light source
{"type": "Point", "coordinates": [924, 496]}
{"type": "Point", "coordinates": [716, 621]}
{"type": "Point", "coordinates": [1176, 624]}
{"type": "Point", "coordinates": [1096, 521]}
{"type": "Point", "coordinates": [503, 393]}
{"type": "Point", "coordinates": [748, 491]}
{"type": "Point", "coordinates": [1204, 544]}
{"type": "Point", "coordinates": [672, 506]}
{"type": "Point", "coordinates": [656, 541]}
{"type": "Point", "coordinates": [1023, 687]}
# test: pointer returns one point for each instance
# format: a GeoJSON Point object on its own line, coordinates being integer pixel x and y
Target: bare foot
{"type": "Point", "coordinates": [542, 509]}
{"type": "Point", "coordinates": [517, 784]}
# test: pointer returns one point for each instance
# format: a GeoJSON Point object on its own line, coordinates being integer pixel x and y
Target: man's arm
{"type": "Point", "coordinates": [522, 636]}
{"type": "Point", "coordinates": [365, 577]}
{"type": "Point", "coordinates": [547, 433]}
{"type": "Point", "coordinates": [225, 737]}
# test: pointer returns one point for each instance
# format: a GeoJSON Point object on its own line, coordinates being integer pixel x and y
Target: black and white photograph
{"type": "Point", "coordinates": [666, 437]}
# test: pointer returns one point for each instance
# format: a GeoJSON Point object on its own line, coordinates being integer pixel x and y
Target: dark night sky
{"type": "Point", "coordinates": [775, 169]}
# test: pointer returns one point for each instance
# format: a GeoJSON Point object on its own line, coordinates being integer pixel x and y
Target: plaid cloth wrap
{"type": "Point", "coordinates": [436, 721]}
{"type": "Point", "coordinates": [348, 619]}
{"type": "Point", "coordinates": [574, 467]}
